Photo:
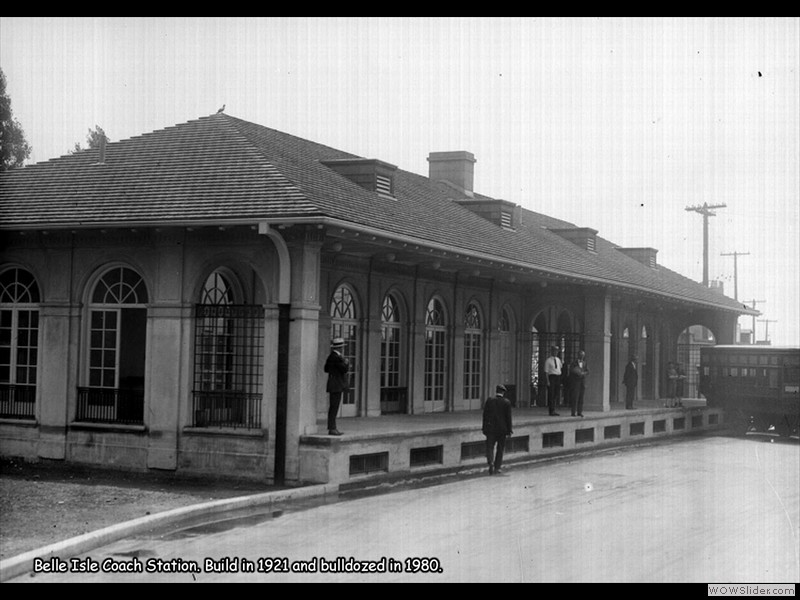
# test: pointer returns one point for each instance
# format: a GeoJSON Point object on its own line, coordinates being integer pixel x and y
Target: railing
{"type": "Point", "coordinates": [226, 409]}
{"type": "Point", "coordinates": [394, 400]}
{"type": "Point", "coordinates": [17, 401]}
{"type": "Point", "coordinates": [110, 405]}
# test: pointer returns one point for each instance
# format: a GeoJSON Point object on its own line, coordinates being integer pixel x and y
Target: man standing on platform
{"type": "Point", "coordinates": [336, 366]}
{"type": "Point", "coordinates": [631, 380]}
{"type": "Point", "coordinates": [552, 368]}
{"type": "Point", "coordinates": [577, 383]}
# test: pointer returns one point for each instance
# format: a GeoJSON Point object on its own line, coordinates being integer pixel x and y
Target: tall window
{"type": "Point", "coordinates": [19, 343]}
{"type": "Point", "coordinates": [435, 355]}
{"type": "Point", "coordinates": [117, 340]}
{"type": "Point", "coordinates": [344, 324]}
{"type": "Point", "coordinates": [228, 358]}
{"type": "Point", "coordinates": [472, 353]}
{"type": "Point", "coordinates": [390, 343]}
{"type": "Point", "coordinates": [394, 398]}
{"type": "Point", "coordinates": [507, 349]}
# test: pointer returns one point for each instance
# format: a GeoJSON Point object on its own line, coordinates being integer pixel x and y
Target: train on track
{"type": "Point", "coordinates": [758, 386]}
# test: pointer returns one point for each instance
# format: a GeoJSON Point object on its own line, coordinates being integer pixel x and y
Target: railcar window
{"type": "Point", "coordinates": [753, 359]}
{"type": "Point", "coordinates": [734, 371]}
{"type": "Point", "coordinates": [773, 378]}
{"type": "Point", "coordinates": [763, 360]}
{"type": "Point", "coordinates": [791, 375]}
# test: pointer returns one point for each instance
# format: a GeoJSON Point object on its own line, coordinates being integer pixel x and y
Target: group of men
{"type": "Point", "coordinates": [497, 422]}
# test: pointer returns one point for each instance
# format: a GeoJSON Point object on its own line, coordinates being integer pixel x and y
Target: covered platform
{"type": "Point", "coordinates": [397, 447]}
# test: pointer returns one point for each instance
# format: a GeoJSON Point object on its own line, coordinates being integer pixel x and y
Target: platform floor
{"type": "Point", "coordinates": [365, 427]}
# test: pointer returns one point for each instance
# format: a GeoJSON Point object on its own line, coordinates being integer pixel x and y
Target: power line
{"type": "Point", "coordinates": [705, 210]}
{"type": "Point", "coordinates": [766, 331]}
{"type": "Point", "coordinates": [735, 256]}
{"type": "Point", "coordinates": [754, 302]}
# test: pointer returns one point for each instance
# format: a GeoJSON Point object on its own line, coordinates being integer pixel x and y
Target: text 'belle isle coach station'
{"type": "Point", "coordinates": [168, 303]}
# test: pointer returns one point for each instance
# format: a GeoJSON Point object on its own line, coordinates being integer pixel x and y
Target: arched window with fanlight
{"type": "Point", "coordinates": [435, 356]}
{"type": "Point", "coordinates": [19, 343]}
{"type": "Point", "coordinates": [228, 356]}
{"type": "Point", "coordinates": [393, 392]}
{"type": "Point", "coordinates": [344, 324]}
{"type": "Point", "coordinates": [115, 374]}
{"type": "Point", "coordinates": [508, 352]}
{"type": "Point", "coordinates": [473, 356]}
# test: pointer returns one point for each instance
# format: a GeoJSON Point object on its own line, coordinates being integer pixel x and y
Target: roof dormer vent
{"type": "Point", "coordinates": [646, 256]}
{"type": "Point", "coordinates": [499, 212]}
{"type": "Point", "coordinates": [369, 173]}
{"type": "Point", "coordinates": [583, 237]}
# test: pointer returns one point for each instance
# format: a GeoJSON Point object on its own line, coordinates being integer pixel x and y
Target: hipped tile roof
{"type": "Point", "coordinates": [220, 169]}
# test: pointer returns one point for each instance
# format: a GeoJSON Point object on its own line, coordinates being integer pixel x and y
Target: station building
{"type": "Point", "coordinates": [167, 301]}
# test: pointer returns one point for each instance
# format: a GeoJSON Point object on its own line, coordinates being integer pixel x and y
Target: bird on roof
{"type": "Point", "coordinates": [221, 109]}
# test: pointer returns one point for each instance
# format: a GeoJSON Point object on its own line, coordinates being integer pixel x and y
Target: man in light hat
{"type": "Point", "coordinates": [336, 366]}
{"type": "Point", "coordinates": [496, 427]}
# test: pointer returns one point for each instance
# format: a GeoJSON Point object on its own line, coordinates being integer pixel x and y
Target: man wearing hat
{"type": "Point", "coordinates": [496, 427]}
{"type": "Point", "coordinates": [336, 366]}
{"type": "Point", "coordinates": [631, 380]}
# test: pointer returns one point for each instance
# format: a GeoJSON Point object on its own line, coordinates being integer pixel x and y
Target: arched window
{"type": "Point", "coordinates": [473, 343]}
{"type": "Point", "coordinates": [390, 343]}
{"type": "Point", "coordinates": [19, 343]}
{"type": "Point", "coordinates": [393, 396]}
{"type": "Point", "coordinates": [228, 356]}
{"type": "Point", "coordinates": [344, 324]}
{"type": "Point", "coordinates": [117, 342]}
{"type": "Point", "coordinates": [435, 356]}
{"type": "Point", "coordinates": [505, 327]}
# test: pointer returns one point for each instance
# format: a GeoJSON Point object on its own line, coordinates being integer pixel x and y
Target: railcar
{"type": "Point", "coordinates": [758, 386]}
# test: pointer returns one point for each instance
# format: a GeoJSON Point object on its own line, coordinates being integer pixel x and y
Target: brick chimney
{"type": "Point", "coordinates": [455, 168]}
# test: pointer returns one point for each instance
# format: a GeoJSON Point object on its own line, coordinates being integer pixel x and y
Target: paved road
{"type": "Point", "coordinates": [708, 510]}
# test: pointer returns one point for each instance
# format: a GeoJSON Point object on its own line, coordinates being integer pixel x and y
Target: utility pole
{"type": "Point", "coordinates": [735, 256]}
{"type": "Point", "coordinates": [766, 331]}
{"type": "Point", "coordinates": [705, 210]}
{"type": "Point", "coordinates": [754, 302]}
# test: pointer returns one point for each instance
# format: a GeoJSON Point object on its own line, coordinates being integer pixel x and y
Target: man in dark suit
{"type": "Point", "coordinates": [496, 427]}
{"type": "Point", "coordinates": [336, 366]}
{"type": "Point", "coordinates": [631, 380]}
{"type": "Point", "coordinates": [577, 383]}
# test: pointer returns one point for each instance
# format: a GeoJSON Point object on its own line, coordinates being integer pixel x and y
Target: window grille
{"type": "Point", "coordinates": [431, 455]}
{"type": "Point", "coordinates": [228, 365]}
{"type": "Point", "coordinates": [363, 464]}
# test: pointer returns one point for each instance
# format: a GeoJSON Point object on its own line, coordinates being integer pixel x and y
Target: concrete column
{"type": "Point", "coordinates": [57, 386]}
{"type": "Point", "coordinates": [168, 356]}
{"type": "Point", "coordinates": [164, 392]}
{"type": "Point", "coordinates": [304, 368]}
{"type": "Point", "coordinates": [372, 359]}
{"type": "Point", "coordinates": [598, 352]}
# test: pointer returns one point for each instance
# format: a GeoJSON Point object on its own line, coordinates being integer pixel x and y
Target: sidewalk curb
{"type": "Point", "coordinates": [22, 563]}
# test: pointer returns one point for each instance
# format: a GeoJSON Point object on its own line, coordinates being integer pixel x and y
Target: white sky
{"type": "Point", "coordinates": [617, 124]}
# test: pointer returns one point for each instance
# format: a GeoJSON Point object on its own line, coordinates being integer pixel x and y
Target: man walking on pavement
{"type": "Point", "coordinates": [496, 427]}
